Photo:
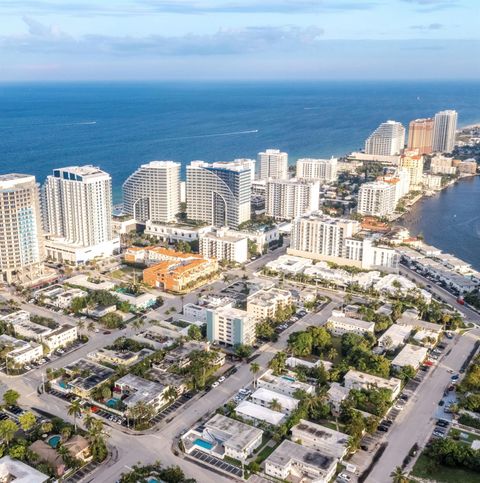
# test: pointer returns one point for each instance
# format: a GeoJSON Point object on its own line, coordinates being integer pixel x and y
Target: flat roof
{"type": "Point", "coordinates": [289, 451]}
{"type": "Point", "coordinates": [287, 402]}
{"type": "Point", "coordinates": [255, 411]}
{"type": "Point", "coordinates": [12, 470]}
{"type": "Point", "coordinates": [362, 377]}
{"type": "Point", "coordinates": [351, 321]}
{"type": "Point", "coordinates": [144, 390]}
{"type": "Point", "coordinates": [410, 355]}
{"type": "Point", "coordinates": [335, 440]}
{"type": "Point", "coordinates": [413, 322]}
{"type": "Point", "coordinates": [239, 434]}
{"type": "Point", "coordinates": [97, 374]}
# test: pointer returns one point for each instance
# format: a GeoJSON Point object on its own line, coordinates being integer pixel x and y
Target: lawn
{"type": "Point", "coordinates": [428, 469]}
{"type": "Point", "coordinates": [265, 453]}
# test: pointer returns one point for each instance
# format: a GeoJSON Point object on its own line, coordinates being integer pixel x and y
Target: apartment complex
{"type": "Point", "coordinates": [442, 165]}
{"type": "Point", "coordinates": [21, 242]}
{"type": "Point", "coordinates": [264, 304]}
{"type": "Point", "coordinates": [295, 462]}
{"type": "Point", "coordinates": [377, 198]}
{"type": "Point", "coordinates": [171, 270]}
{"type": "Point", "coordinates": [272, 163]}
{"type": "Point", "coordinates": [413, 163]}
{"type": "Point", "coordinates": [152, 192]}
{"type": "Point", "coordinates": [19, 352]}
{"type": "Point", "coordinates": [387, 140]}
{"type": "Point", "coordinates": [224, 244]}
{"type": "Point", "coordinates": [340, 324]}
{"type": "Point", "coordinates": [420, 135]}
{"type": "Point", "coordinates": [288, 199]}
{"type": "Point", "coordinates": [361, 380]}
{"type": "Point", "coordinates": [230, 326]}
{"type": "Point", "coordinates": [219, 193]}
{"type": "Point", "coordinates": [323, 170]}
{"type": "Point", "coordinates": [77, 214]}
{"type": "Point", "coordinates": [320, 237]}
{"type": "Point", "coordinates": [444, 131]}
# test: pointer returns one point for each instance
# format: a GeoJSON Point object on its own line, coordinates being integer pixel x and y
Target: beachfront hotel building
{"type": "Point", "coordinates": [320, 237]}
{"type": "Point", "coordinates": [219, 193]}
{"type": "Point", "coordinates": [288, 199]}
{"type": "Point", "coordinates": [272, 163]}
{"type": "Point", "coordinates": [387, 140]}
{"type": "Point", "coordinates": [152, 192]}
{"type": "Point", "coordinates": [77, 214]}
{"type": "Point", "coordinates": [377, 198]}
{"type": "Point", "coordinates": [21, 241]}
{"type": "Point", "coordinates": [323, 170]}
{"type": "Point", "coordinates": [444, 130]}
{"type": "Point", "coordinates": [420, 135]}
{"type": "Point", "coordinates": [230, 326]}
{"type": "Point", "coordinates": [413, 163]}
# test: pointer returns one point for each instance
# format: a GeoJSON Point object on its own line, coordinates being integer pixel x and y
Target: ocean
{"type": "Point", "coordinates": [119, 126]}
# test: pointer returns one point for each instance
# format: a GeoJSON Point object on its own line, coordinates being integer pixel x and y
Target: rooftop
{"type": "Point", "coordinates": [288, 403]}
{"type": "Point", "coordinates": [88, 374]}
{"type": "Point", "coordinates": [266, 297]}
{"type": "Point", "coordinates": [351, 321]}
{"type": "Point", "coordinates": [289, 451]}
{"type": "Point", "coordinates": [410, 355]}
{"type": "Point", "coordinates": [142, 389]}
{"type": "Point", "coordinates": [393, 384]}
{"type": "Point", "coordinates": [239, 434]}
{"type": "Point", "coordinates": [249, 409]}
{"type": "Point", "coordinates": [12, 470]}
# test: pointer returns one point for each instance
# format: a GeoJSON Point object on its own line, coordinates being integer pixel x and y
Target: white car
{"type": "Point", "coordinates": [344, 477]}
{"type": "Point", "coordinates": [215, 384]}
{"type": "Point", "coordinates": [221, 379]}
{"type": "Point", "coordinates": [28, 368]}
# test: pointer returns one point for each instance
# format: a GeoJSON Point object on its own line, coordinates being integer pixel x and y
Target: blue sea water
{"type": "Point", "coordinates": [118, 126]}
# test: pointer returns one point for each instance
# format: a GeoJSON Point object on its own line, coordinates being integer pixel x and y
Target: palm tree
{"type": "Point", "coordinates": [398, 475]}
{"type": "Point", "coordinates": [275, 405]}
{"type": "Point", "coordinates": [75, 410]}
{"type": "Point", "coordinates": [254, 369]}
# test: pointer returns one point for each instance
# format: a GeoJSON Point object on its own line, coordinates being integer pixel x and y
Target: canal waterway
{"type": "Point", "coordinates": [450, 220]}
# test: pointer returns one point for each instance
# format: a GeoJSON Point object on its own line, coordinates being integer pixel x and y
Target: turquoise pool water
{"type": "Point", "coordinates": [63, 384]}
{"type": "Point", "coordinates": [203, 444]}
{"type": "Point", "coordinates": [111, 403]}
{"type": "Point", "coordinates": [152, 480]}
{"type": "Point", "coordinates": [288, 378]}
{"type": "Point", "coordinates": [53, 441]}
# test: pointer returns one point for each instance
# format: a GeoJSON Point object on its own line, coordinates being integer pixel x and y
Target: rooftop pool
{"type": "Point", "coordinates": [203, 444]}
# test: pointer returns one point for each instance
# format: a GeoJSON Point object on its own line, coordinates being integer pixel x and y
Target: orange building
{"type": "Point", "coordinates": [171, 270]}
{"type": "Point", "coordinates": [420, 135]}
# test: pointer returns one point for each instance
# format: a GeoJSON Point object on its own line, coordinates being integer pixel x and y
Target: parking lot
{"type": "Point", "coordinates": [81, 473]}
{"type": "Point", "coordinates": [216, 463]}
{"type": "Point", "coordinates": [172, 408]}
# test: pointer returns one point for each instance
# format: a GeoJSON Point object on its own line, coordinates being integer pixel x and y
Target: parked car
{"type": "Point", "coordinates": [344, 477]}
{"type": "Point", "coordinates": [215, 384]}
{"type": "Point", "coordinates": [221, 379]}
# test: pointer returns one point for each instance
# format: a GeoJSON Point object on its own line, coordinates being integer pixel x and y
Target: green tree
{"type": "Point", "coordinates": [106, 392]}
{"type": "Point", "coordinates": [243, 350]}
{"type": "Point", "coordinates": [171, 394]}
{"type": "Point", "coordinates": [8, 428]}
{"type": "Point", "coordinates": [398, 475]}
{"type": "Point", "coordinates": [75, 410]}
{"type": "Point", "coordinates": [18, 451]}
{"type": "Point", "coordinates": [275, 405]}
{"type": "Point", "coordinates": [254, 369]}
{"type": "Point", "coordinates": [78, 305]}
{"type": "Point", "coordinates": [194, 332]}
{"type": "Point", "coordinates": [278, 363]}
{"type": "Point", "coordinates": [27, 420]}
{"type": "Point", "coordinates": [10, 397]}
{"type": "Point", "coordinates": [301, 343]}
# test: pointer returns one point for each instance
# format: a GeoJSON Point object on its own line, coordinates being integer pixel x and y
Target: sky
{"type": "Point", "coordinates": [68, 40]}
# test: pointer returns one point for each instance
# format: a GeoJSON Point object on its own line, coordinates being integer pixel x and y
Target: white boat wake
{"type": "Point", "coordinates": [200, 136]}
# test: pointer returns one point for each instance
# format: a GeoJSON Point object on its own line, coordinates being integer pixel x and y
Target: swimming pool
{"type": "Point", "coordinates": [288, 378]}
{"type": "Point", "coordinates": [203, 444]}
{"type": "Point", "coordinates": [53, 441]}
{"type": "Point", "coordinates": [111, 403]}
{"type": "Point", "coordinates": [152, 480]}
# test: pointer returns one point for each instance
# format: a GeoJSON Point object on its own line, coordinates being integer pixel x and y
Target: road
{"type": "Point", "coordinates": [415, 423]}
{"type": "Point", "coordinates": [157, 443]}
{"type": "Point", "coordinates": [470, 315]}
